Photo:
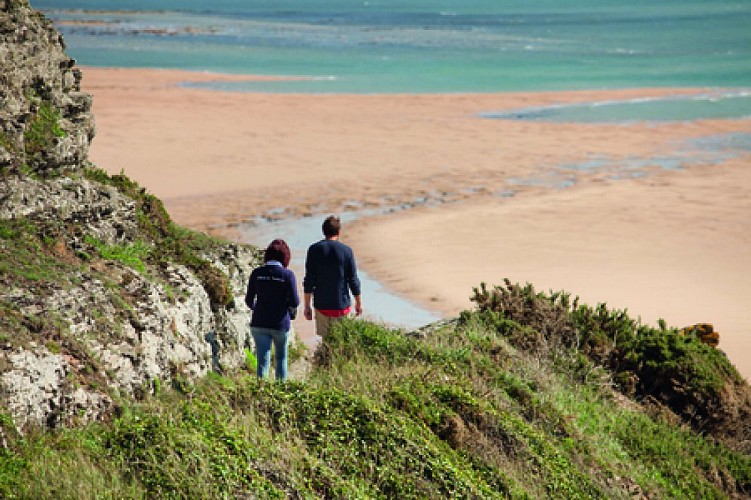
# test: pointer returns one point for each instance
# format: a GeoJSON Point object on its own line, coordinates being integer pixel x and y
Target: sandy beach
{"type": "Point", "coordinates": [492, 199]}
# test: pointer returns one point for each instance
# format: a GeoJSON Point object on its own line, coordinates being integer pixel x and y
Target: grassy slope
{"type": "Point", "coordinates": [522, 398]}
{"type": "Point", "coordinates": [461, 413]}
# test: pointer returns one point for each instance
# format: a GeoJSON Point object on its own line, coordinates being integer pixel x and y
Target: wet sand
{"type": "Point", "coordinates": [491, 197]}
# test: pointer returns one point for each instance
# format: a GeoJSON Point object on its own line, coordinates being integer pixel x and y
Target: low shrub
{"type": "Point", "coordinates": [692, 378]}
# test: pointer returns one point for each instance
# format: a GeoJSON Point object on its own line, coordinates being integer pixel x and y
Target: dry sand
{"type": "Point", "coordinates": [677, 247]}
{"type": "Point", "coordinates": [673, 244]}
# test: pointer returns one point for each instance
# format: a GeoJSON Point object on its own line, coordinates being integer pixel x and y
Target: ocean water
{"type": "Point", "coordinates": [421, 45]}
{"type": "Point", "coordinates": [717, 104]}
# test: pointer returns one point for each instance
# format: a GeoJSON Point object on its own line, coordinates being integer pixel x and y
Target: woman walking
{"type": "Point", "coordinates": [272, 295]}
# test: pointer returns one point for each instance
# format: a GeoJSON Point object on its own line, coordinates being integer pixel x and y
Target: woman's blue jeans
{"type": "Point", "coordinates": [263, 338]}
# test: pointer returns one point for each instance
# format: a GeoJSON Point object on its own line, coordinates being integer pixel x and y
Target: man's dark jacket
{"type": "Point", "coordinates": [330, 275]}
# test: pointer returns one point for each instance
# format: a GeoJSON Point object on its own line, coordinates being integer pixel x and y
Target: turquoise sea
{"type": "Point", "coordinates": [421, 45]}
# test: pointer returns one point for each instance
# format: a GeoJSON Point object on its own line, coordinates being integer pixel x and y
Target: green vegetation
{"type": "Point", "coordinates": [461, 413]}
{"type": "Point", "coordinates": [530, 396]}
{"type": "Point", "coordinates": [693, 379]}
{"type": "Point", "coordinates": [26, 257]}
{"type": "Point", "coordinates": [42, 131]}
{"type": "Point", "coordinates": [131, 255]}
{"type": "Point", "coordinates": [43, 257]}
{"type": "Point", "coordinates": [36, 262]}
{"type": "Point", "coordinates": [170, 242]}
{"type": "Point", "coordinates": [5, 142]}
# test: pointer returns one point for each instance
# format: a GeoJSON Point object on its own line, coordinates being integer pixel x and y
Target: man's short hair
{"type": "Point", "coordinates": [332, 226]}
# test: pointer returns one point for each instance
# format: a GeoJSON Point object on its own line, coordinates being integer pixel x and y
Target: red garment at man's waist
{"type": "Point", "coordinates": [334, 313]}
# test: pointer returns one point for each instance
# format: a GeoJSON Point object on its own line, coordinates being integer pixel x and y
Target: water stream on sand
{"type": "Point", "coordinates": [379, 303]}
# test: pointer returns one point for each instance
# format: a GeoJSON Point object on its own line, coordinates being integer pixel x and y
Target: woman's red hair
{"type": "Point", "coordinates": [279, 251]}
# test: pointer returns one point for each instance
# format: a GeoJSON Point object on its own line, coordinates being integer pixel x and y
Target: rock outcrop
{"type": "Point", "coordinates": [100, 294]}
{"type": "Point", "coordinates": [45, 120]}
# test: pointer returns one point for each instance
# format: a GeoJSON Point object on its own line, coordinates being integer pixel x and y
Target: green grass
{"type": "Point", "coordinates": [169, 242]}
{"type": "Point", "coordinates": [26, 258]}
{"type": "Point", "coordinates": [132, 255]}
{"type": "Point", "coordinates": [40, 266]}
{"type": "Point", "coordinates": [41, 133]}
{"type": "Point", "coordinates": [460, 414]}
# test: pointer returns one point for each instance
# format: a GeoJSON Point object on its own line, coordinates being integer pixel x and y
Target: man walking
{"type": "Point", "coordinates": [330, 276]}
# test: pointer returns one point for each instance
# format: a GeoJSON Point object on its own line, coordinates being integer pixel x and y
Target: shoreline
{"type": "Point", "coordinates": [221, 160]}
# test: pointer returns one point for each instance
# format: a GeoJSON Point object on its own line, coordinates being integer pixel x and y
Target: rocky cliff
{"type": "Point", "coordinates": [45, 120]}
{"type": "Point", "coordinates": [101, 295]}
